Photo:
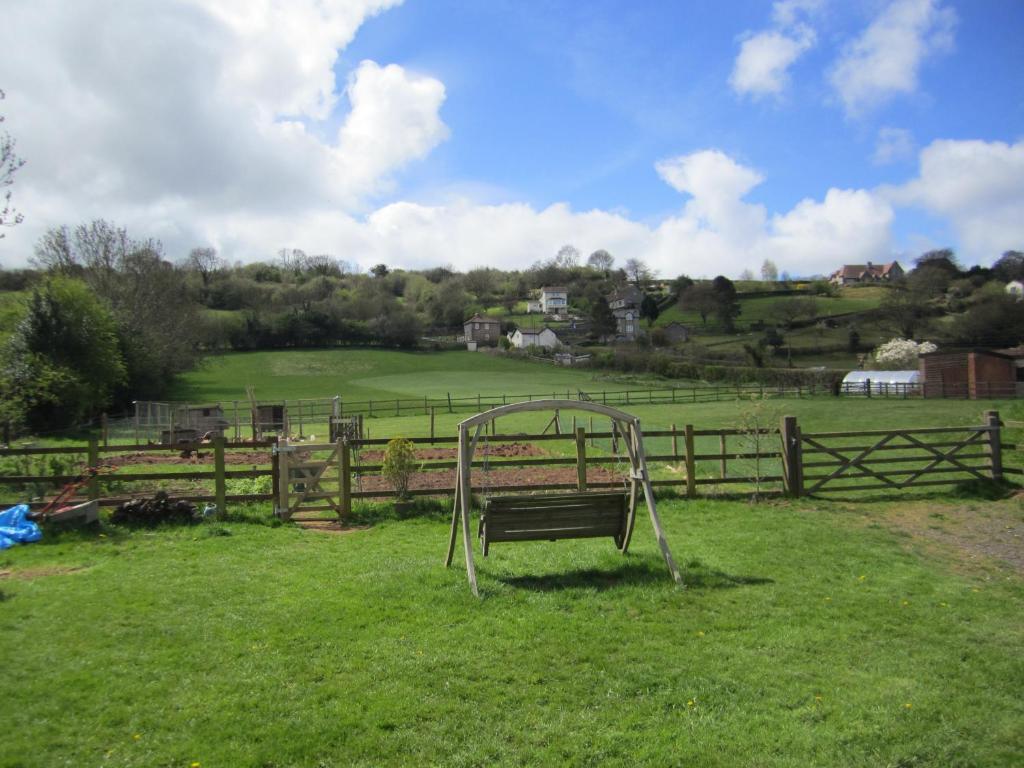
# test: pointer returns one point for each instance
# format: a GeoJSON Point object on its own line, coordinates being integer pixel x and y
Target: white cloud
{"type": "Point", "coordinates": [762, 66]}
{"type": "Point", "coordinates": [893, 144]}
{"type": "Point", "coordinates": [976, 185]}
{"type": "Point", "coordinates": [885, 59]}
{"type": "Point", "coordinates": [394, 120]}
{"type": "Point", "coordinates": [202, 107]}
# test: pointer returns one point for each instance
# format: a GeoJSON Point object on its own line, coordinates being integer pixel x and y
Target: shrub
{"type": "Point", "coordinates": [399, 466]}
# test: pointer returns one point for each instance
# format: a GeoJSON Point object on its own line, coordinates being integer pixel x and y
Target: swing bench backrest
{"type": "Point", "coordinates": [554, 516]}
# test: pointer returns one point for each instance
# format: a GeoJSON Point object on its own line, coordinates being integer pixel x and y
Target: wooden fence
{"type": "Point", "coordinates": [783, 460]}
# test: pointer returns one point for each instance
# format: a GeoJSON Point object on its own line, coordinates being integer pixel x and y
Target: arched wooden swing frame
{"type": "Point", "coordinates": [626, 424]}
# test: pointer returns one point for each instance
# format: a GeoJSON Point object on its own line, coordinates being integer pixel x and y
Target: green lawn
{"type": "Point", "coordinates": [763, 308]}
{"type": "Point", "coordinates": [360, 374]}
{"type": "Point", "coordinates": [807, 635]}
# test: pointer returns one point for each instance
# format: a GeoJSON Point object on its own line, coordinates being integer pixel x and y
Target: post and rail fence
{"type": "Point", "coordinates": [314, 477]}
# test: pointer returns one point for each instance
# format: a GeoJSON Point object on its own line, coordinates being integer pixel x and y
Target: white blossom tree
{"type": "Point", "coordinates": [901, 353]}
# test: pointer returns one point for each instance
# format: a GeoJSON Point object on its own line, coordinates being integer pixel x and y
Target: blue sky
{"type": "Point", "coordinates": [699, 136]}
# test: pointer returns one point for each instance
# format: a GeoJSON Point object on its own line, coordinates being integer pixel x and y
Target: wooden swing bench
{"type": "Point", "coordinates": [552, 517]}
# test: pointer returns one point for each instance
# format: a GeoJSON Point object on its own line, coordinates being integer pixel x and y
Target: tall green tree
{"type": "Point", "coordinates": [63, 363]}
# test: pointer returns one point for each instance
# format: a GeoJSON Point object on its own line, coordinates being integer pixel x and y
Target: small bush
{"type": "Point", "coordinates": [399, 466]}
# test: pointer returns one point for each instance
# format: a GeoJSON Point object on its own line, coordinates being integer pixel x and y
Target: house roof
{"type": "Point", "coordinates": [859, 270]}
{"type": "Point", "coordinates": [1007, 354]}
{"type": "Point", "coordinates": [478, 318]}
{"type": "Point", "coordinates": [536, 332]}
{"type": "Point", "coordinates": [625, 293]}
{"type": "Point", "coordinates": [554, 289]}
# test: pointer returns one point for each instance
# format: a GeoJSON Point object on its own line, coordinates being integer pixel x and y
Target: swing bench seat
{"type": "Point", "coordinates": [552, 517]}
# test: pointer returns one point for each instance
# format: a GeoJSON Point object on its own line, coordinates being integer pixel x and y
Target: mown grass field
{"type": "Point", "coordinates": [764, 308]}
{"type": "Point", "coordinates": [806, 635]}
{"type": "Point", "coordinates": [362, 374]}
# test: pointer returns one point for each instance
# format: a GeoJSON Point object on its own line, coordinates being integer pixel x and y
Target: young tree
{"type": "Point", "coordinates": [680, 284]}
{"type": "Point", "coordinates": [638, 272]}
{"type": "Point", "coordinates": [699, 298]}
{"type": "Point", "coordinates": [601, 260]}
{"type": "Point", "coordinates": [568, 256]}
{"type": "Point", "coordinates": [10, 163]}
{"type": "Point", "coordinates": [204, 262]}
{"type": "Point", "coordinates": [905, 309]}
{"type": "Point", "coordinates": [727, 306]}
{"type": "Point", "coordinates": [769, 272]}
{"type": "Point", "coordinates": [1009, 266]}
{"type": "Point", "coordinates": [792, 310]}
{"type": "Point", "coordinates": [602, 320]}
{"type": "Point", "coordinates": [942, 258]}
{"type": "Point", "coordinates": [747, 274]}
{"type": "Point", "coordinates": [649, 309]}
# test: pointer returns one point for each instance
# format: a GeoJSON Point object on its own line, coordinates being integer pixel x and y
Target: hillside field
{"type": "Point", "coordinates": [362, 374]}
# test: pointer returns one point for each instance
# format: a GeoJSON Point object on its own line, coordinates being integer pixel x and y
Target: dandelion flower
{"type": "Point", "coordinates": [908, 705]}
{"type": "Point", "coordinates": [137, 736]}
{"type": "Point", "coordinates": [690, 703]}
{"type": "Point", "coordinates": [861, 577]}
{"type": "Point", "coordinates": [905, 602]}
{"type": "Point", "coordinates": [700, 633]}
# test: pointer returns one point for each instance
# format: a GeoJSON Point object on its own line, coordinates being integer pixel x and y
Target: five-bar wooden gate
{"type": "Point", "coordinates": [894, 459]}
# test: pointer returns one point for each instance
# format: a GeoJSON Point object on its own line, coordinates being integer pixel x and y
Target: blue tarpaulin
{"type": "Point", "coordinates": [16, 528]}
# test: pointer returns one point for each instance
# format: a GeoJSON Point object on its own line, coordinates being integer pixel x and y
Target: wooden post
{"type": "Point", "coordinates": [275, 472]}
{"type": "Point", "coordinates": [790, 468]}
{"type": "Point", "coordinates": [220, 485]}
{"type": "Point", "coordinates": [431, 425]}
{"type": "Point", "coordinates": [691, 464]}
{"type": "Point", "coordinates": [558, 422]}
{"type": "Point", "coordinates": [398, 409]}
{"type": "Point", "coordinates": [449, 401]}
{"type": "Point", "coordinates": [135, 403]}
{"type": "Point", "coordinates": [299, 406]}
{"type": "Point", "coordinates": [592, 442]}
{"type": "Point", "coordinates": [426, 408]}
{"type": "Point", "coordinates": [94, 463]}
{"type": "Point", "coordinates": [371, 408]}
{"type": "Point", "coordinates": [995, 446]}
{"type": "Point", "coordinates": [675, 444]}
{"type": "Point", "coordinates": [284, 483]}
{"type": "Point", "coordinates": [721, 450]}
{"type": "Point", "coordinates": [867, 387]}
{"type": "Point", "coordinates": [234, 404]}
{"type": "Point", "coordinates": [344, 480]}
{"type": "Point", "coordinates": [581, 459]}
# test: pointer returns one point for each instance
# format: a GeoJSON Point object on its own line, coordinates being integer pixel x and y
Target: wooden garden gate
{"type": "Point", "coordinates": [894, 459]}
{"type": "Point", "coordinates": [307, 482]}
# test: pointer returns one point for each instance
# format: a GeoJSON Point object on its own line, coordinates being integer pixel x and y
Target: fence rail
{"type": "Point", "coordinates": [783, 460]}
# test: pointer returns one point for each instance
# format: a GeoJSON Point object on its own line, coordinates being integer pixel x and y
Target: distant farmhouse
{"type": "Point", "coordinates": [554, 299]}
{"type": "Point", "coordinates": [855, 274]}
{"type": "Point", "coordinates": [625, 305]}
{"type": "Point", "coordinates": [544, 338]}
{"type": "Point", "coordinates": [482, 330]}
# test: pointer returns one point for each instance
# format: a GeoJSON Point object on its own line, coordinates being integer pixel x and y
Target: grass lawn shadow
{"type": "Point", "coordinates": [651, 571]}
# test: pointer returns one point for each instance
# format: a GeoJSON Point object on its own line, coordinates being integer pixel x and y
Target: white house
{"type": "Point", "coordinates": [545, 338]}
{"type": "Point", "coordinates": [534, 305]}
{"type": "Point", "coordinates": [554, 299]}
{"type": "Point", "coordinates": [1016, 289]}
